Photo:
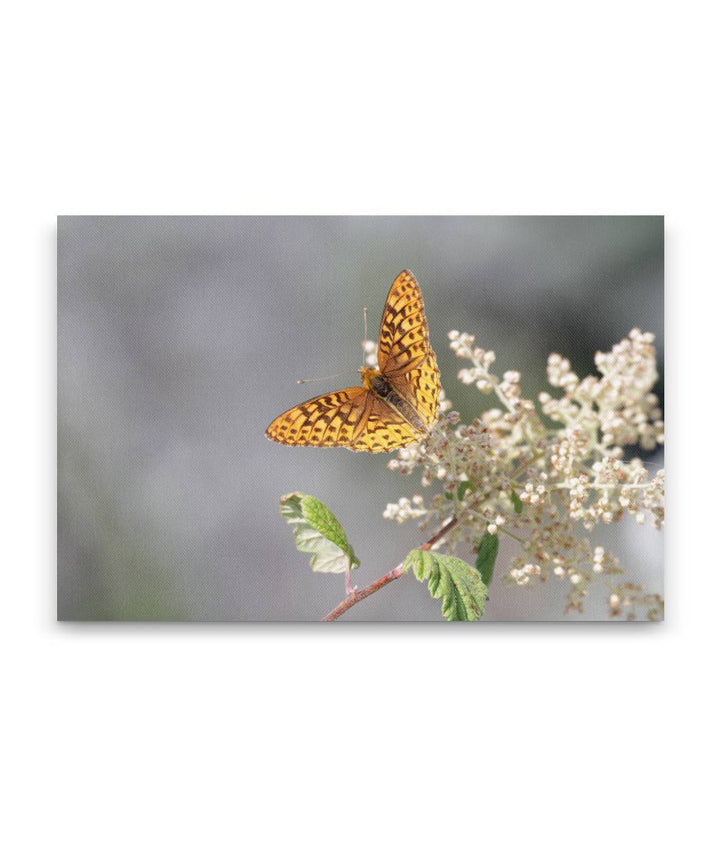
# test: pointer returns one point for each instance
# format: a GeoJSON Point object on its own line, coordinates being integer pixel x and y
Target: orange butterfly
{"type": "Point", "coordinates": [397, 403]}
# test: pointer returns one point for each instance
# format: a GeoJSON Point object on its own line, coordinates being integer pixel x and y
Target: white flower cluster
{"type": "Point", "coordinates": [616, 409]}
{"type": "Point", "coordinates": [462, 344]}
{"type": "Point", "coordinates": [628, 597]}
{"type": "Point", "coordinates": [524, 575]}
{"type": "Point", "coordinates": [507, 473]}
{"type": "Point", "coordinates": [370, 350]}
{"type": "Point", "coordinates": [404, 509]}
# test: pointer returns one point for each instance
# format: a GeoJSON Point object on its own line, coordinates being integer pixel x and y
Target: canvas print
{"type": "Point", "coordinates": [360, 418]}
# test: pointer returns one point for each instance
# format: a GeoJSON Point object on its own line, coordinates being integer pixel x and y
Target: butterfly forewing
{"type": "Point", "coordinates": [334, 419]}
{"type": "Point", "coordinates": [403, 342]}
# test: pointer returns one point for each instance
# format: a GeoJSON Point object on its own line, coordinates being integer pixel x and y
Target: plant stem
{"type": "Point", "coordinates": [360, 594]}
{"type": "Point", "coordinates": [511, 534]}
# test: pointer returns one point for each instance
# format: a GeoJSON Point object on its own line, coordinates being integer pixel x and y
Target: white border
{"type": "Point", "coordinates": [357, 739]}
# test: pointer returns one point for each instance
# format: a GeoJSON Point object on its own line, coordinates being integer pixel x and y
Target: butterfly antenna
{"type": "Point", "coordinates": [311, 379]}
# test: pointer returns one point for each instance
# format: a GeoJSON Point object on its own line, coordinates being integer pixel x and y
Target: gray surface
{"type": "Point", "coordinates": [181, 338]}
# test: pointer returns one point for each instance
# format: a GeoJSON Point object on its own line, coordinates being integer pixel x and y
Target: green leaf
{"type": "Point", "coordinates": [463, 488]}
{"type": "Point", "coordinates": [318, 532]}
{"type": "Point", "coordinates": [517, 502]}
{"type": "Point", "coordinates": [462, 590]}
{"type": "Point", "coordinates": [487, 554]}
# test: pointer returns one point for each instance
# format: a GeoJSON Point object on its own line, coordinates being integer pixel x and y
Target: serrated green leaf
{"type": "Point", "coordinates": [517, 502]}
{"type": "Point", "coordinates": [487, 554]}
{"type": "Point", "coordinates": [459, 585]}
{"type": "Point", "coordinates": [318, 532]}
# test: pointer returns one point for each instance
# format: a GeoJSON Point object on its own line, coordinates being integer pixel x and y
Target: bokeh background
{"type": "Point", "coordinates": [181, 338]}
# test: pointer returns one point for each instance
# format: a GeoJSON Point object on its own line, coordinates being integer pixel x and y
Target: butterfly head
{"type": "Point", "coordinates": [374, 380]}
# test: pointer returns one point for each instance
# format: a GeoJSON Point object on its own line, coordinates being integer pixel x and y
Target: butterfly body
{"type": "Point", "coordinates": [397, 403]}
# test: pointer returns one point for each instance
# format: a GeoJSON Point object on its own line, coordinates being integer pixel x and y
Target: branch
{"type": "Point", "coordinates": [360, 594]}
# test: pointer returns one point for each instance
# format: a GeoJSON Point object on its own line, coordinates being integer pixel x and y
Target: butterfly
{"type": "Point", "coordinates": [397, 403]}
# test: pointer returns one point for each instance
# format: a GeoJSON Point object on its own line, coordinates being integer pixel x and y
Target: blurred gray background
{"type": "Point", "coordinates": [181, 338]}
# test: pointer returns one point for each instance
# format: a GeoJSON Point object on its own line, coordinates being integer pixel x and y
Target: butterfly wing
{"type": "Point", "coordinates": [384, 429]}
{"type": "Point", "coordinates": [404, 353]}
{"type": "Point", "coordinates": [421, 388]}
{"type": "Point", "coordinates": [334, 419]}
{"type": "Point", "coordinates": [403, 343]}
{"type": "Point", "coordinates": [353, 417]}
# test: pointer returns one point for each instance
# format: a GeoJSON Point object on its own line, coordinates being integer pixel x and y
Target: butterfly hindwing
{"type": "Point", "coordinates": [384, 429]}
{"type": "Point", "coordinates": [421, 388]}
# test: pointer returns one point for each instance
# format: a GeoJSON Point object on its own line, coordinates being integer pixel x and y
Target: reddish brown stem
{"type": "Point", "coordinates": [360, 594]}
